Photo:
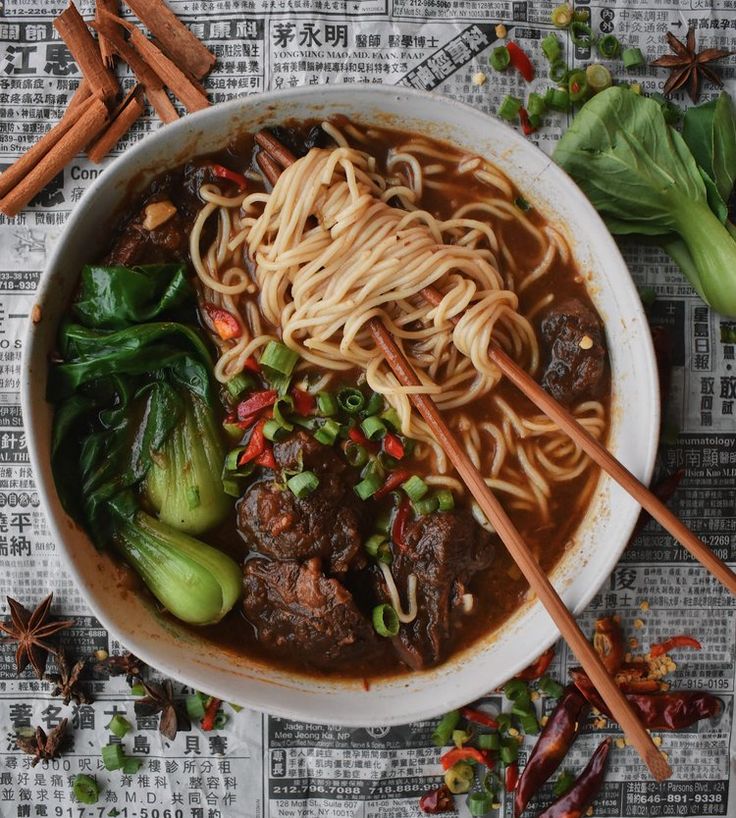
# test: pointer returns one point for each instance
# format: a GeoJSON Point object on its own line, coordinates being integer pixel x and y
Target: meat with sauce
{"type": "Point", "coordinates": [328, 523]}
{"type": "Point", "coordinates": [443, 550]}
{"type": "Point", "coordinates": [298, 612]}
{"type": "Point", "coordinates": [575, 347]}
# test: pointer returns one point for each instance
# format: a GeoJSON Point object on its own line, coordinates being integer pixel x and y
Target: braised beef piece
{"type": "Point", "coordinates": [444, 550]}
{"type": "Point", "coordinates": [575, 346]}
{"type": "Point", "coordinates": [328, 523]}
{"type": "Point", "coordinates": [300, 143]}
{"type": "Point", "coordinates": [299, 612]}
{"type": "Point", "coordinates": [170, 241]}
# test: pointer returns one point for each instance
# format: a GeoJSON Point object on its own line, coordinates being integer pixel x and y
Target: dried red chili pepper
{"type": "Point", "coordinates": [538, 667]}
{"type": "Point", "coordinates": [608, 640]}
{"type": "Point", "coordinates": [450, 758]}
{"type": "Point", "coordinates": [225, 323]}
{"type": "Point", "coordinates": [640, 686]}
{"type": "Point", "coordinates": [664, 491]}
{"type": "Point", "coordinates": [681, 641]}
{"type": "Point", "coordinates": [437, 800]}
{"type": "Point", "coordinates": [231, 175]}
{"type": "Point", "coordinates": [210, 714]}
{"type": "Point", "coordinates": [256, 402]}
{"type": "Point", "coordinates": [662, 342]}
{"type": "Point", "coordinates": [587, 785]}
{"type": "Point", "coordinates": [554, 741]}
{"type": "Point", "coordinates": [479, 717]}
{"type": "Point", "coordinates": [511, 776]}
{"type": "Point", "coordinates": [303, 402]}
{"type": "Point", "coordinates": [401, 518]}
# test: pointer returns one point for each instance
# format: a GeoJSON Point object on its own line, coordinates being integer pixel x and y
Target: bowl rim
{"type": "Point", "coordinates": [49, 501]}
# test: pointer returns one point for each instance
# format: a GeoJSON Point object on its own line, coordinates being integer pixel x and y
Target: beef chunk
{"type": "Point", "coordinates": [328, 523]}
{"type": "Point", "coordinates": [299, 612]}
{"type": "Point", "coordinates": [575, 346]}
{"type": "Point", "coordinates": [444, 550]}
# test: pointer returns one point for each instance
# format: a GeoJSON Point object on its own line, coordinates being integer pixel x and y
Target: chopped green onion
{"type": "Point", "coordinates": [535, 105]}
{"type": "Point", "coordinates": [426, 505]}
{"type": "Point", "coordinates": [238, 384]}
{"type": "Point", "coordinates": [85, 789]}
{"type": "Point", "coordinates": [132, 765]}
{"type": "Point", "coordinates": [460, 737]}
{"type": "Point", "coordinates": [195, 706]}
{"type": "Point", "coordinates": [445, 727]}
{"type": "Point", "coordinates": [499, 59]}
{"type": "Point", "coordinates": [490, 784]}
{"type": "Point", "coordinates": [232, 488]}
{"type": "Point", "coordinates": [385, 620]}
{"type": "Point", "coordinates": [509, 108]}
{"type": "Point", "coordinates": [137, 690]}
{"type": "Point", "coordinates": [374, 543]}
{"type": "Point", "coordinates": [373, 469]}
{"type": "Point", "coordinates": [515, 689]}
{"type": "Point", "coordinates": [373, 428]}
{"type": "Point", "coordinates": [489, 741]}
{"type": "Point", "coordinates": [598, 77]}
{"type": "Point", "coordinates": [577, 85]}
{"type": "Point", "coordinates": [558, 71]}
{"type": "Point", "coordinates": [478, 804]}
{"type": "Point", "coordinates": [503, 720]}
{"type": "Point", "coordinates": [509, 751]}
{"type": "Point", "coordinates": [273, 430]}
{"type": "Point", "coordinates": [581, 15]}
{"type": "Point", "coordinates": [633, 58]}
{"type": "Point", "coordinates": [415, 487]}
{"type": "Point", "coordinates": [220, 720]}
{"type": "Point", "coordinates": [283, 406]}
{"type": "Point", "coordinates": [119, 725]}
{"type": "Point", "coordinates": [350, 400]}
{"type": "Point", "coordinates": [232, 457]}
{"type": "Point", "coordinates": [389, 463]}
{"type": "Point", "coordinates": [609, 47]}
{"type": "Point", "coordinates": [382, 523]}
{"type": "Point", "coordinates": [445, 500]}
{"type": "Point", "coordinates": [368, 486]}
{"type": "Point", "coordinates": [303, 484]}
{"type": "Point", "coordinates": [558, 99]}
{"type": "Point", "coordinates": [459, 778]}
{"type": "Point", "coordinates": [581, 34]}
{"type": "Point", "coordinates": [551, 47]}
{"type": "Point", "coordinates": [550, 687]}
{"type": "Point", "coordinates": [563, 784]}
{"type": "Point", "coordinates": [356, 454]}
{"type": "Point", "coordinates": [113, 756]}
{"type": "Point", "coordinates": [522, 707]}
{"type": "Point", "coordinates": [375, 404]}
{"type": "Point", "coordinates": [326, 404]}
{"type": "Point", "coordinates": [562, 16]}
{"type": "Point", "coordinates": [328, 432]}
{"type": "Point", "coordinates": [233, 431]}
{"type": "Point", "coordinates": [391, 418]}
{"type": "Point", "coordinates": [279, 358]}
{"type": "Point", "coordinates": [529, 724]}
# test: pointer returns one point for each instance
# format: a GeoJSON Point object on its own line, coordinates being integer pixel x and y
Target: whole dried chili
{"type": "Point", "coordinates": [538, 667]}
{"type": "Point", "coordinates": [437, 800]}
{"type": "Point", "coordinates": [664, 490]}
{"type": "Point", "coordinates": [511, 776]}
{"type": "Point", "coordinates": [681, 641]}
{"type": "Point", "coordinates": [552, 745]}
{"type": "Point", "coordinates": [608, 640]}
{"type": "Point", "coordinates": [587, 785]}
{"type": "Point", "coordinates": [658, 711]}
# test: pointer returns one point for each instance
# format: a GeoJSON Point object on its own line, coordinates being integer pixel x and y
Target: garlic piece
{"type": "Point", "coordinates": [157, 213]}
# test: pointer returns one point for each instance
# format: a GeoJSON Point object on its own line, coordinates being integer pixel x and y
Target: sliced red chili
{"type": "Point", "coordinates": [252, 365]}
{"type": "Point", "coordinates": [393, 481]}
{"type": "Point", "coordinates": [479, 717]}
{"type": "Point", "coordinates": [681, 641]}
{"type": "Point", "coordinates": [398, 527]}
{"type": "Point", "coordinates": [526, 125]}
{"type": "Point", "coordinates": [511, 776]}
{"type": "Point", "coordinates": [256, 444]}
{"type": "Point", "coordinates": [210, 714]}
{"type": "Point", "coordinates": [266, 458]}
{"type": "Point", "coordinates": [520, 61]}
{"type": "Point", "coordinates": [303, 402]}
{"type": "Point", "coordinates": [256, 402]}
{"type": "Point", "coordinates": [231, 175]}
{"type": "Point", "coordinates": [538, 667]}
{"type": "Point", "coordinates": [392, 445]}
{"type": "Point", "coordinates": [451, 758]}
{"type": "Point", "coordinates": [437, 800]}
{"type": "Point", "coordinates": [225, 323]}
{"type": "Point", "coordinates": [357, 436]}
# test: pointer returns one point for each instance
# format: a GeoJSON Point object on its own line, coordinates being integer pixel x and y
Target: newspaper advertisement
{"type": "Point", "coordinates": [256, 766]}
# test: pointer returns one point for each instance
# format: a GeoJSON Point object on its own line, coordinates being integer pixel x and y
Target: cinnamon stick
{"type": "Point", "coordinates": [11, 176]}
{"type": "Point", "coordinates": [123, 119]}
{"type": "Point", "coordinates": [187, 92]}
{"type": "Point", "coordinates": [83, 92]}
{"type": "Point", "coordinates": [145, 75]}
{"type": "Point", "coordinates": [73, 30]}
{"type": "Point", "coordinates": [174, 38]}
{"type": "Point", "coordinates": [83, 130]}
{"type": "Point", "coordinates": [106, 49]}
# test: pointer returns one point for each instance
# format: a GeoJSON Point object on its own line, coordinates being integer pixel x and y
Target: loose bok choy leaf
{"type": "Point", "coordinates": [640, 175]}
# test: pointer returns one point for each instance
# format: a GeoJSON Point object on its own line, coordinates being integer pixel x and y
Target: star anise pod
{"type": "Point", "coordinates": [67, 680]}
{"type": "Point", "coordinates": [118, 665]}
{"type": "Point", "coordinates": [687, 66]}
{"type": "Point", "coordinates": [31, 631]}
{"type": "Point", "coordinates": [43, 746]}
{"type": "Point", "coordinates": [160, 699]}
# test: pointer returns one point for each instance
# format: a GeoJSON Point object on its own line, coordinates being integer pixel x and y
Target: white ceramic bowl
{"type": "Point", "coordinates": [599, 540]}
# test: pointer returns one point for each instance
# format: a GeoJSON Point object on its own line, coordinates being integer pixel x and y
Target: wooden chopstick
{"type": "Point", "coordinates": [600, 455]}
{"type": "Point", "coordinates": [512, 539]}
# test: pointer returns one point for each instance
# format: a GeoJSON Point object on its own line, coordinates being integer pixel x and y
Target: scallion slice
{"type": "Point", "coordinates": [373, 428]}
{"type": "Point", "coordinates": [239, 384]}
{"type": "Point", "coordinates": [509, 108]}
{"type": "Point", "coordinates": [550, 687]}
{"type": "Point", "coordinates": [489, 741]}
{"type": "Point", "coordinates": [375, 404]}
{"type": "Point", "coordinates": [529, 724]}
{"type": "Point", "coordinates": [535, 105]}
{"type": "Point", "coordinates": [279, 358]}
{"type": "Point", "coordinates": [355, 454]}
{"type": "Point", "coordinates": [273, 430]}
{"type": "Point", "coordinates": [581, 34]}
{"type": "Point", "coordinates": [119, 725]}
{"type": "Point", "coordinates": [231, 486]}
{"type": "Point", "coordinates": [385, 620]}
{"type": "Point", "coordinates": [608, 47]}
{"type": "Point", "coordinates": [281, 409]}
{"type": "Point", "coordinates": [509, 751]}
{"type": "Point", "coordinates": [373, 544]}
{"type": "Point", "coordinates": [350, 400]}
{"type": "Point", "coordinates": [303, 484]}
{"type": "Point", "coordinates": [426, 505]}
{"type": "Point", "coordinates": [577, 86]}
{"type": "Point", "coordinates": [558, 99]}
{"type": "Point", "coordinates": [368, 486]}
{"type": "Point", "coordinates": [598, 77]}
{"type": "Point", "coordinates": [445, 727]}
{"type": "Point", "coordinates": [562, 15]}
{"type": "Point", "coordinates": [389, 463]}
{"type": "Point", "coordinates": [558, 71]}
{"type": "Point", "coordinates": [633, 58]}
{"type": "Point", "coordinates": [551, 47]}
{"type": "Point", "coordinates": [326, 404]}
{"type": "Point", "coordinates": [415, 488]}
{"type": "Point", "coordinates": [445, 500]}
{"type": "Point", "coordinates": [113, 756]}
{"type": "Point", "coordinates": [499, 58]}
{"type": "Point", "coordinates": [132, 765]}
{"type": "Point", "coordinates": [478, 804]}
{"type": "Point", "coordinates": [85, 789]}
{"type": "Point", "coordinates": [391, 418]}
{"type": "Point", "coordinates": [328, 432]}
{"type": "Point", "coordinates": [195, 707]}
{"type": "Point", "coordinates": [516, 688]}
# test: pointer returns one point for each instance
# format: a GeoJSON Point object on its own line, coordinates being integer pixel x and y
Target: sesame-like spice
{"type": "Point", "coordinates": [478, 78]}
{"type": "Point", "coordinates": [644, 605]}
{"type": "Point", "coordinates": [501, 31]}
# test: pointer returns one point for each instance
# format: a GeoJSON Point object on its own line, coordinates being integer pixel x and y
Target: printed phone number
{"type": "Point", "coordinates": [122, 812]}
{"type": "Point", "coordinates": [677, 798]}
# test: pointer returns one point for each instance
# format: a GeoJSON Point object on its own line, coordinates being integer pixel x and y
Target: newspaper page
{"type": "Point", "coordinates": [256, 766]}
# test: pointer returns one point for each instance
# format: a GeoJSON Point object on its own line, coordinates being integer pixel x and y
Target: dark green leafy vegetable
{"type": "Point", "coordinates": [641, 177]}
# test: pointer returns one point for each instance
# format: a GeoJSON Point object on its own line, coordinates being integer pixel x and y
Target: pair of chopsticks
{"type": "Point", "coordinates": [271, 159]}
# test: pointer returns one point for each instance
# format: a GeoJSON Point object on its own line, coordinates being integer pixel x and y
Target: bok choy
{"type": "Point", "coordinates": [643, 179]}
{"type": "Point", "coordinates": [134, 420]}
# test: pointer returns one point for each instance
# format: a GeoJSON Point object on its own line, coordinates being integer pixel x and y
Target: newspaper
{"type": "Point", "coordinates": [262, 767]}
